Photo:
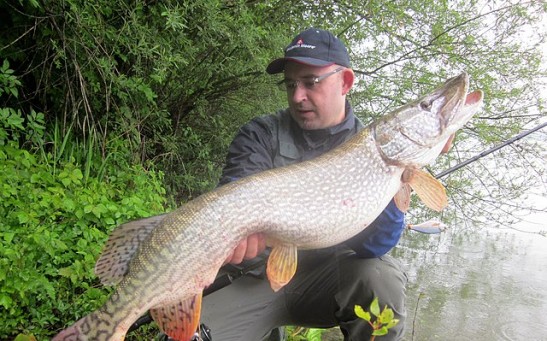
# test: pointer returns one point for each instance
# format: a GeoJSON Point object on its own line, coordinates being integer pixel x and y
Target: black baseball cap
{"type": "Point", "coordinates": [314, 47]}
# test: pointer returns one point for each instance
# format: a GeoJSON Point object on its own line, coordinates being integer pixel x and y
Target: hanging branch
{"type": "Point", "coordinates": [489, 151]}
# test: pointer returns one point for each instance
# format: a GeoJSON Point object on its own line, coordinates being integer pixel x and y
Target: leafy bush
{"type": "Point", "coordinates": [170, 78]}
{"type": "Point", "coordinates": [57, 206]}
{"type": "Point", "coordinates": [52, 230]}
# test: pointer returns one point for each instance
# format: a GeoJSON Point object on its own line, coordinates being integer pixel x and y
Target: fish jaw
{"type": "Point", "coordinates": [415, 134]}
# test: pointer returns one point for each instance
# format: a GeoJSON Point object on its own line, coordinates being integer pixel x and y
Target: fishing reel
{"type": "Point", "coordinates": [203, 334]}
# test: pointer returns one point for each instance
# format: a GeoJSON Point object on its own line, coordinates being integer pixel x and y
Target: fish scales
{"type": "Point", "coordinates": [313, 204]}
{"type": "Point", "coordinates": [270, 202]}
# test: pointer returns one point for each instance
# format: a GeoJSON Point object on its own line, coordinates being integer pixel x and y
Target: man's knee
{"type": "Point", "coordinates": [362, 280]}
{"type": "Point", "coordinates": [382, 275]}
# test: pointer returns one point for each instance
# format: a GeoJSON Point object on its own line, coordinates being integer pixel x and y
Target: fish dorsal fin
{"type": "Point", "coordinates": [402, 197]}
{"type": "Point", "coordinates": [180, 320]}
{"type": "Point", "coordinates": [430, 190]}
{"type": "Point", "coordinates": [281, 265]}
{"type": "Point", "coordinates": [120, 248]}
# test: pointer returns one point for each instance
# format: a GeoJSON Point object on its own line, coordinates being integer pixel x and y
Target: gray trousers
{"type": "Point", "coordinates": [323, 293]}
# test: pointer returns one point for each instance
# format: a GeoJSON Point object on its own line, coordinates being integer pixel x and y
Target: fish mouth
{"type": "Point", "coordinates": [473, 99]}
{"type": "Point", "coordinates": [416, 133]}
{"type": "Point", "coordinates": [441, 113]}
{"type": "Point", "coordinates": [460, 105]}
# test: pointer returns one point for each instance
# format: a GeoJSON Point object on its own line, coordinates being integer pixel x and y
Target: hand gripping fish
{"type": "Point", "coordinates": [162, 264]}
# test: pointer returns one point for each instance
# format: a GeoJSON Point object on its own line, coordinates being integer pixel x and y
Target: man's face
{"type": "Point", "coordinates": [322, 105]}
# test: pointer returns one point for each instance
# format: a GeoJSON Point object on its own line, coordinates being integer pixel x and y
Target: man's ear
{"type": "Point", "coordinates": [348, 78]}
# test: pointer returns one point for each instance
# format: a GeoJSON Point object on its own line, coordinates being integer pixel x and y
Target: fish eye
{"type": "Point", "coordinates": [425, 105]}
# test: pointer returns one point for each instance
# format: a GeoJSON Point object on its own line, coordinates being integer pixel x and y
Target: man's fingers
{"type": "Point", "coordinates": [256, 243]}
{"type": "Point", "coordinates": [252, 247]}
{"type": "Point", "coordinates": [248, 248]}
{"type": "Point", "coordinates": [239, 252]}
{"type": "Point", "coordinates": [261, 243]}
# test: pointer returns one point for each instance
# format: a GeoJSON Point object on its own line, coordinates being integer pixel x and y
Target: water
{"type": "Point", "coordinates": [481, 284]}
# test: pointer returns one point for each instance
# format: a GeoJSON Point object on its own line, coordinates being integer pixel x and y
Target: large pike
{"type": "Point", "coordinates": [163, 263]}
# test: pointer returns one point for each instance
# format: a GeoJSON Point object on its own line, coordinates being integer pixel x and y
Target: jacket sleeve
{"type": "Point", "coordinates": [381, 235]}
{"type": "Point", "coordinates": [250, 152]}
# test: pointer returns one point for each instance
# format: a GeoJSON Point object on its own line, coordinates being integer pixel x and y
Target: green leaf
{"type": "Point", "coordinates": [314, 334]}
{"type": "Point", "coordinates": [66, 181]}
{"type": "Point", "coordinates": [14, 92]}
{"type": "Point", "coordinates": [66, 272]}
{"type": "Point", "coordinates": [365, 315]}
{"type": "Point", "coordinates": [392, 323]}
{"type": "Point", "coordinates": [23, 337]}
{"type": "Point", "coordinates": [375, 307]}
{"type": "Point", "coordinates": [8, 236]}
{"type": "Point", "coordinates": [380, 332]}
{"type": "Point", "coordinates": [386, 315]}
{"type": "Point", "coordinates": [15, 120]}
{"type": "Point", "coordinates": [23, 217]}
{"type": "Point", "coordinates": [69, 205]}
{"type": "Point", "coordinates": [5, 301]}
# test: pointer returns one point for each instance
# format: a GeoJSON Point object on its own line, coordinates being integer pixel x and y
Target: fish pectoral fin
{"type": "Point", "coordinates": [430, 190]}
{"type": "Point", "coordinates": [402, 197]}
{"type": "Point", "coordinates": [281, 265]}
{"type": "Point", "coordinates": [121, 246]}
{"type": "Point", "coordinates": [179, 321]}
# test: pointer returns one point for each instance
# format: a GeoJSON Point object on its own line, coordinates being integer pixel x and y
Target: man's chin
{"type": "Point", "coordinates": [307, 122]}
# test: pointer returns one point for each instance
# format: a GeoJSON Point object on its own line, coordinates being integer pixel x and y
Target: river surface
{"type": "Point", "coordinates": [477, 284]}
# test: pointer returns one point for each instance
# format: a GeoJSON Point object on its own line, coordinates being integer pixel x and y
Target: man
{"type": "Point", "coordinates": [329, 282]}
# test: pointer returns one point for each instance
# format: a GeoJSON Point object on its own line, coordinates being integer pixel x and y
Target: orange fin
{"type": "Point", "coordinates": [402, 198]}
{"type": "Point", "coordinates": [179, 321]}
{"type": "Point", "coordinates": [429, 190]}
{"type": "Point", "coordinates": [281, 265]}
{"type": "Point", "coordinates": [120, 248]}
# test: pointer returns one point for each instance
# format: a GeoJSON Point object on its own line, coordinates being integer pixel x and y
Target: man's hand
{"type": "Point", "coordinates": [248, 248]}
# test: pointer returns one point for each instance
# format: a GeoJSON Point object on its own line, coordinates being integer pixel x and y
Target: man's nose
{"type": "Point", "coordinates": [300, 93]}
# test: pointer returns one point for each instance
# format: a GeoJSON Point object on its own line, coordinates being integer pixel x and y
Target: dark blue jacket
{"type": "Point", "coordinates": [276, 140]}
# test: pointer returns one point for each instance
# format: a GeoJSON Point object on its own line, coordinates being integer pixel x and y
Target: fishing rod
{"type": "Point", "coordinates": [435, 227]}
{"type": "Point", "coordinates": [490, 151]}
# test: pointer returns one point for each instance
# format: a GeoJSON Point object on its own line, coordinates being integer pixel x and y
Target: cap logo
{"type": "Point", "coordinates": [300, 43]}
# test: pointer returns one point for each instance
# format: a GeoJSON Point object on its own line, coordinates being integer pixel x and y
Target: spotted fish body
{"type": "Point", "coordinates": [163, 263]}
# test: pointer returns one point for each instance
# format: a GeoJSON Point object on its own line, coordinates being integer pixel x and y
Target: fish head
{"type": "Point", "coordinates": [415, 134]}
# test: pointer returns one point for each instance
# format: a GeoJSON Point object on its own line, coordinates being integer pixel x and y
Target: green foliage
{"type": "Point", "coordinates": [384, 320]}
{"type": "Point", "coordinates": [166, 77]}
{"type": "Point", "coordinates": [304, 334]}
{"type": "Point", "coordinates": [12, 122]}
{"type": "Point", "coordinates": [55, 220]}
{"type": "Point", "coordinates": [52, 230]}
{"type": "Point", "coordinates": [8, 81]}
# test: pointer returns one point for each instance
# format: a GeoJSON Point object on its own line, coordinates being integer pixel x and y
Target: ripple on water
{"type": "Point", "coordinates": [521, 330]}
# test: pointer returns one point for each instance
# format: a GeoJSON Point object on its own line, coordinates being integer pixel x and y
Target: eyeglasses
{"type": "Point", "coordinates": [308, 83]}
